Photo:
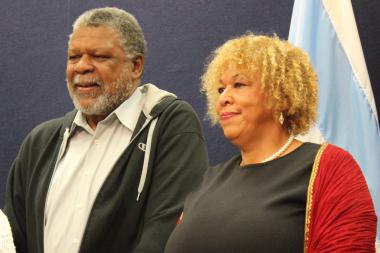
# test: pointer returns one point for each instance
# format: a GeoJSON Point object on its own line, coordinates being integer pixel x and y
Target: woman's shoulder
{"type": "Point", "coordinates": [341, 202]}
{"type": "Point", "coordinates": [220, 171]}
{"type": "Point", "coordinates": [333, 154]}
{"type": "Point", "coordinates": [231, 163]}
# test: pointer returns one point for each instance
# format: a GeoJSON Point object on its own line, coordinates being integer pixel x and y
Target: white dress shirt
{"type": "Point", "coordinates": [6, 239]}
{"type": "Point", "coordinates": [88, 159]}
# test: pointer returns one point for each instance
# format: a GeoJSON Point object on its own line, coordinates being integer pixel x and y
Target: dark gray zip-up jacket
{"type": "Point", "coordinates": [121, 219]}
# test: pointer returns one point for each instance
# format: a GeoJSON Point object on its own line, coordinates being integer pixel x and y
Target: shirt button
{"type": "Point", "coordinates": [86, 173]}
{"type": "Point", "coordinates": [97, 142]}
{"type": "Point", "coordinates": [75, 240]}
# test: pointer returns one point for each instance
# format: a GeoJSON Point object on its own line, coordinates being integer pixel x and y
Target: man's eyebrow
{"type": "Point", "coordinates": [92, 50]}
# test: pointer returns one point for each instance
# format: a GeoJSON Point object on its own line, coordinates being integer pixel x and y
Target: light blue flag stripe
{"type": "Point", "coordinates": [346, 117]}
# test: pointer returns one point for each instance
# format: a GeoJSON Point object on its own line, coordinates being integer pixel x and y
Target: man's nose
{"type": "Point", "coordinates": [84, 65]}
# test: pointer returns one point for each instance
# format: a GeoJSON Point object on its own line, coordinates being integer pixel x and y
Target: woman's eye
{"type": "Point", "coordinates": [220, 90]}
{"type": "Point", "coordinates": [238, 85]}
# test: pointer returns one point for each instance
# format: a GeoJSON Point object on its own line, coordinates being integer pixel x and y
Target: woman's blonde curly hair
{"type": "Point", "coordinates": [283, 71]}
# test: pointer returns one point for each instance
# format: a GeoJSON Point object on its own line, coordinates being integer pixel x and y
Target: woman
{"type": "Point", "coordinates": [6, 240]}
{"type": "Point", "coordinates": [279, 194]}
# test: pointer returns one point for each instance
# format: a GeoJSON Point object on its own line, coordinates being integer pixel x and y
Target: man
{"type": "Point", "coordinates": [6, 239]}
{"type": "Point", "coordinates": [112, 175]}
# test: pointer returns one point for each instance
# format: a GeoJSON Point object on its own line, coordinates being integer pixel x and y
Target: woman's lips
{"type": "Point", "coordinates": [227, 115]}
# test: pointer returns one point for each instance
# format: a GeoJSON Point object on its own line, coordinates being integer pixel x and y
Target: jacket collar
{"type": "Point", "coordinates": [156, 101]}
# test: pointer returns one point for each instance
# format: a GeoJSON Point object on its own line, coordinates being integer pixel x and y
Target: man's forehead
{"type": "Point", "coordinates": [94, 31]}
{"type": "Point", "coordinates": [98, 37]}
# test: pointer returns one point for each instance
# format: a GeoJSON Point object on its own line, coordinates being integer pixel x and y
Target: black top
{"type": "Point", "coordinates": [255, 208]}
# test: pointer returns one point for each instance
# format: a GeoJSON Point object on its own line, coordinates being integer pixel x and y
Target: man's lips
{"type": "Point", "coordinates": [227, 115]}
{"type": "Point", "coordinates": [86, 84]}
{"type": "Point", "coordinates": [83, 87]}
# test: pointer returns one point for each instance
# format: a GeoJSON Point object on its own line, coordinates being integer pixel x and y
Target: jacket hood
{"type": "Point", "coordinates": [154, 96]}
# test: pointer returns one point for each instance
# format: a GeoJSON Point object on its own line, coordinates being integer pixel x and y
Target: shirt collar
{"type": "Point", "coordinates": [127, 113]}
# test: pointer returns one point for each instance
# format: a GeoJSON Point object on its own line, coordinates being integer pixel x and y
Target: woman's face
{"type": "Point", "coordinates": [242, 109]}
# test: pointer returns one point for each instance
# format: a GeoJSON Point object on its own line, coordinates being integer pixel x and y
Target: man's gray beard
{"type": "Point", "coordinates": [105, 103]}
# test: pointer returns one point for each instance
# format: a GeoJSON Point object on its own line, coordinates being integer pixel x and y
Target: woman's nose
{"type": "Point", "coordinates": [225, 97]}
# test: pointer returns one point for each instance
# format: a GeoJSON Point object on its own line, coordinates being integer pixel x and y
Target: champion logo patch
{"type": "Point", "coordinates": [142, 146]}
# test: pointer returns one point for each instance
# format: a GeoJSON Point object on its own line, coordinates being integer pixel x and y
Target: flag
{"type": "Point", "coordinates": [326, 30]}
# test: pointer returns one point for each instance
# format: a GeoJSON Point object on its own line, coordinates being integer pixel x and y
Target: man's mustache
{"type": "Point", "coordinates": [86, 81]}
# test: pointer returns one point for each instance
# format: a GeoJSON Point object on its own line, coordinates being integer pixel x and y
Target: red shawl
{"type": "Point", "coordinates": [340, 215]}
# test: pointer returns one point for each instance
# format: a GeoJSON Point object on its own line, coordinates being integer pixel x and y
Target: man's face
{"type": "Point", "coordinates": [99, 76]}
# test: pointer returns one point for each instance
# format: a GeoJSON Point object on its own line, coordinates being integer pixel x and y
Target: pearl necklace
{"type": "Point", "coordinates": [280, 151]}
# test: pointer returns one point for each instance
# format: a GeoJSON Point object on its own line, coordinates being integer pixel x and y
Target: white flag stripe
{"type": "Point", "coordinates": [341, 14]}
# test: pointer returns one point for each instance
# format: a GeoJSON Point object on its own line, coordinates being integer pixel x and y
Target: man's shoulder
{"type": "Point", "coordinates": [180, 106]}
{"type": "Point", "coordinates": [175, 117]}
{"type": "Point", "coordinates": [179, 114]}
{"type": "Point", "coordinates": [159, 101]}
{"type": "Point", "coordinates": [51, 127]}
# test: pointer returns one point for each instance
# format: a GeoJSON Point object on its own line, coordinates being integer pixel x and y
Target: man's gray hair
{"type": "Point", "coordinates": [130, 33]}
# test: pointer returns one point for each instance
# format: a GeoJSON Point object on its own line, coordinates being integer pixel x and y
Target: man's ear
{"type": "Point", "coordinates": [138, 67]}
